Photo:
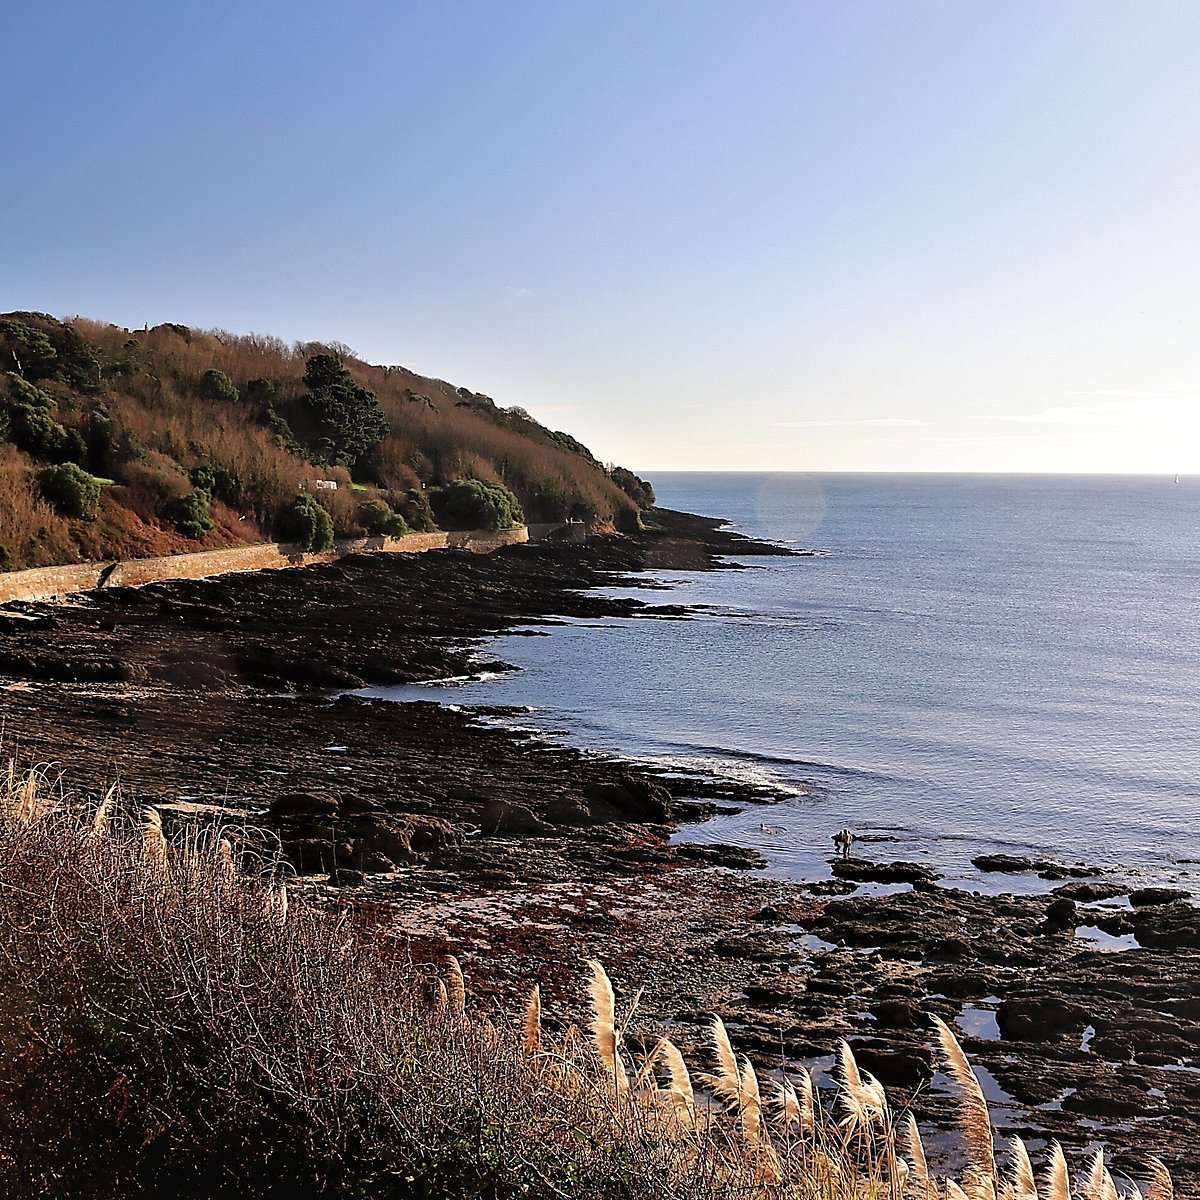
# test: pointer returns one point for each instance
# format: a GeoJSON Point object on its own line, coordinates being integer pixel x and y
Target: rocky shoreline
{"type": "Point", "coordinates": [447, 831]}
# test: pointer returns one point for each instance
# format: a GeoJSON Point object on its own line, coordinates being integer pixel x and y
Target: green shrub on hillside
{"type": "Point", "coordinates": [640, 491]}
{"type": "Point", "coordinates": [218, 481]}
{"type": "Point", "coordinates": [381, 520]}
{"type": "Point", "coordinates": [216, 385]}
{"type": "Point", "coordinates": [191, 515]}
{"type": "Point", "coordinates": [26, 350]}
{"type": "Point", "coordinates": [413, 506]}
{"type": "Point", "coordinates": [261, 392]}
{"type": "Point", "coordinates": [178, 330]}
{"type": "Point", "coordinates": [308, 523]}
{"type": "Point", "coordinates": [20, 392]}
{"type": "Point", "coordinates": [347, 420]}
{"type": "Point", "coordinates": [31, 424]}
{"type": "Point", "coordinates": [475, 504]}
{"type": "Point", "coordinates": [130, 448]}
{"type": "Point", "coordinates": [71, 491]}
{"type": "Point", "coordinates": [574, 445]}
{"type": "Point", "coordinates": [41, 436]}
{"type": "Point", "coordinates": [39, 346]}
{"type": "Point", "coordinates": [101, 439]}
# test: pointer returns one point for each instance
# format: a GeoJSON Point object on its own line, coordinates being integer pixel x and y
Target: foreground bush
{"type": "Point", "coordinates": [172, 1023]}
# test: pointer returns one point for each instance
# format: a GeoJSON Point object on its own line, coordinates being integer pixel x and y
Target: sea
{"type": "Point", "coordinates": [968, 665]}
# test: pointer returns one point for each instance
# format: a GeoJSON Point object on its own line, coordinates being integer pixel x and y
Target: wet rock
{"type": "Point", "coordinates": [628, 798]}
{"type": "Point", "coordinates": [864, 871]}
{"type": "Point", "coordinates": [770, 915]}
{"type": "Point", "coordinates": [949, 948]}
{"type": "Point", "coordinates": [1149, 896]}
{"type": "Point", "coordinates": [470, 797]}
{"type": "Point", "coordinates": [830, 887]}
{"type": "Point", "coordinates": [1087, 891]}
{"type": "Point", "coordinates": [1171, 926]}
{"type": "Point", "coordinates": [362, 805]}
{"type": "Point", "coordinates": [376, 862]}
{"type": "Point", "coordinates": [1015, 864]}
{"type": "Point", "coordinates": [760, 946]}
{"type": "Point", "coordinates": [1112, 1048]}
{"type": "Point", "coordinates": [192, 674]}
{"type": "Point", "coordinates": [407, 837]}
{"type": "Point", "coordinates": [1187, 1009]}
{"type": "Point", "coordinates": [1116, 923]}
{"type": "Point", "coordinates": [569, 811]}
{"type": "Point", "coordinates": [786, 992]}
{"type": "Point", "coordinates": [1060, 914]}
{"type": "Point", "coordinates": [719, 855]}
{"type": "Point", "coordinates": [1159, 1036]}
{"type": "Point", "coordinates": [640, 854]}
{"type": "Point", "coordinates": [13, 621]}
{"type": "Point", "coordinates": [52, 668]}
{"type": "Point", "coordinates": [898, 1014]}
{"type": "Point", "coordinates": [904, 1066]}
{"type": "Point", "coordinates": [1108, 1098]}
{"type": "Point", "coordinates": [302, 804]}
{"type": "Point", "coordinates": [310, 856]}
{"type": "Point", "coordinates": [501, 818]}
{"type": "Point", "coordinates": [1040, 1018]}
{"type": "Point", "coordinates": [303, 672]}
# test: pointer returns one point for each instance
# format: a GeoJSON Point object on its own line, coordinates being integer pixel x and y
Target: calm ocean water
{"type": "Point", "coordinates": [974, 663]}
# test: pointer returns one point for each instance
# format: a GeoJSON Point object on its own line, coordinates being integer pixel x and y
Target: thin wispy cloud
{"type": "Point", "coordinates": [1137, 393]}
{"type": "Point", "coordinates": [888, 422]}
{"type": "Point", "coordinates": [1064, 414]}
{"type": "Point", "coordinates": [1150, 409]}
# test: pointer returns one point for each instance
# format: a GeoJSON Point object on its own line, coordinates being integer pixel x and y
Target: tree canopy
{"type": "Point", "coordinates": [475, 504]}
{"type": "Point", "coordinates": [347, 420]}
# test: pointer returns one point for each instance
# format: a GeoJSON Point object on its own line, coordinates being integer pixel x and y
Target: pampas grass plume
{"type": "Point", "coordinates": [604, 1029]}
{"type": "Point", "coordinates": [1024, 1186]}
{"type": "Point", "coordinates": [1160, 1186]}
{"type": "Point", "coordinates": [532, 1040]}
{"type": "Point", "coordinates": [456, 987]}
{"type": "Point", "coordinates": [976, 1120]}
{"type": "Point", "coordinates": [1056, 1184]}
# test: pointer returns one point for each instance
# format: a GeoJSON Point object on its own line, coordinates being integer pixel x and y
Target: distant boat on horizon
{"type": "Point", "coordinates": [1176, 476]}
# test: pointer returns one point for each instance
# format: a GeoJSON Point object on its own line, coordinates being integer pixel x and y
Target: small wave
{"type": "Point", "coordinates": [790, 763]}
{"type": "Point", "coordinates": [462, 680]}
{"type": "Point", "coordinates": [720, 768]}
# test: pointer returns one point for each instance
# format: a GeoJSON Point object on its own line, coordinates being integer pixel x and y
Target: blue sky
{"type": "Point", "coordinates": [783, 236]}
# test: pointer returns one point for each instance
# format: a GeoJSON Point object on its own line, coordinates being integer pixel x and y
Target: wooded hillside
{"type": "Point", "coordinates": [115, 444]}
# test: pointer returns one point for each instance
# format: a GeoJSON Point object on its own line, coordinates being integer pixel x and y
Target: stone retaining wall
{"type": "Point", "coordinates": [44, 583]}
